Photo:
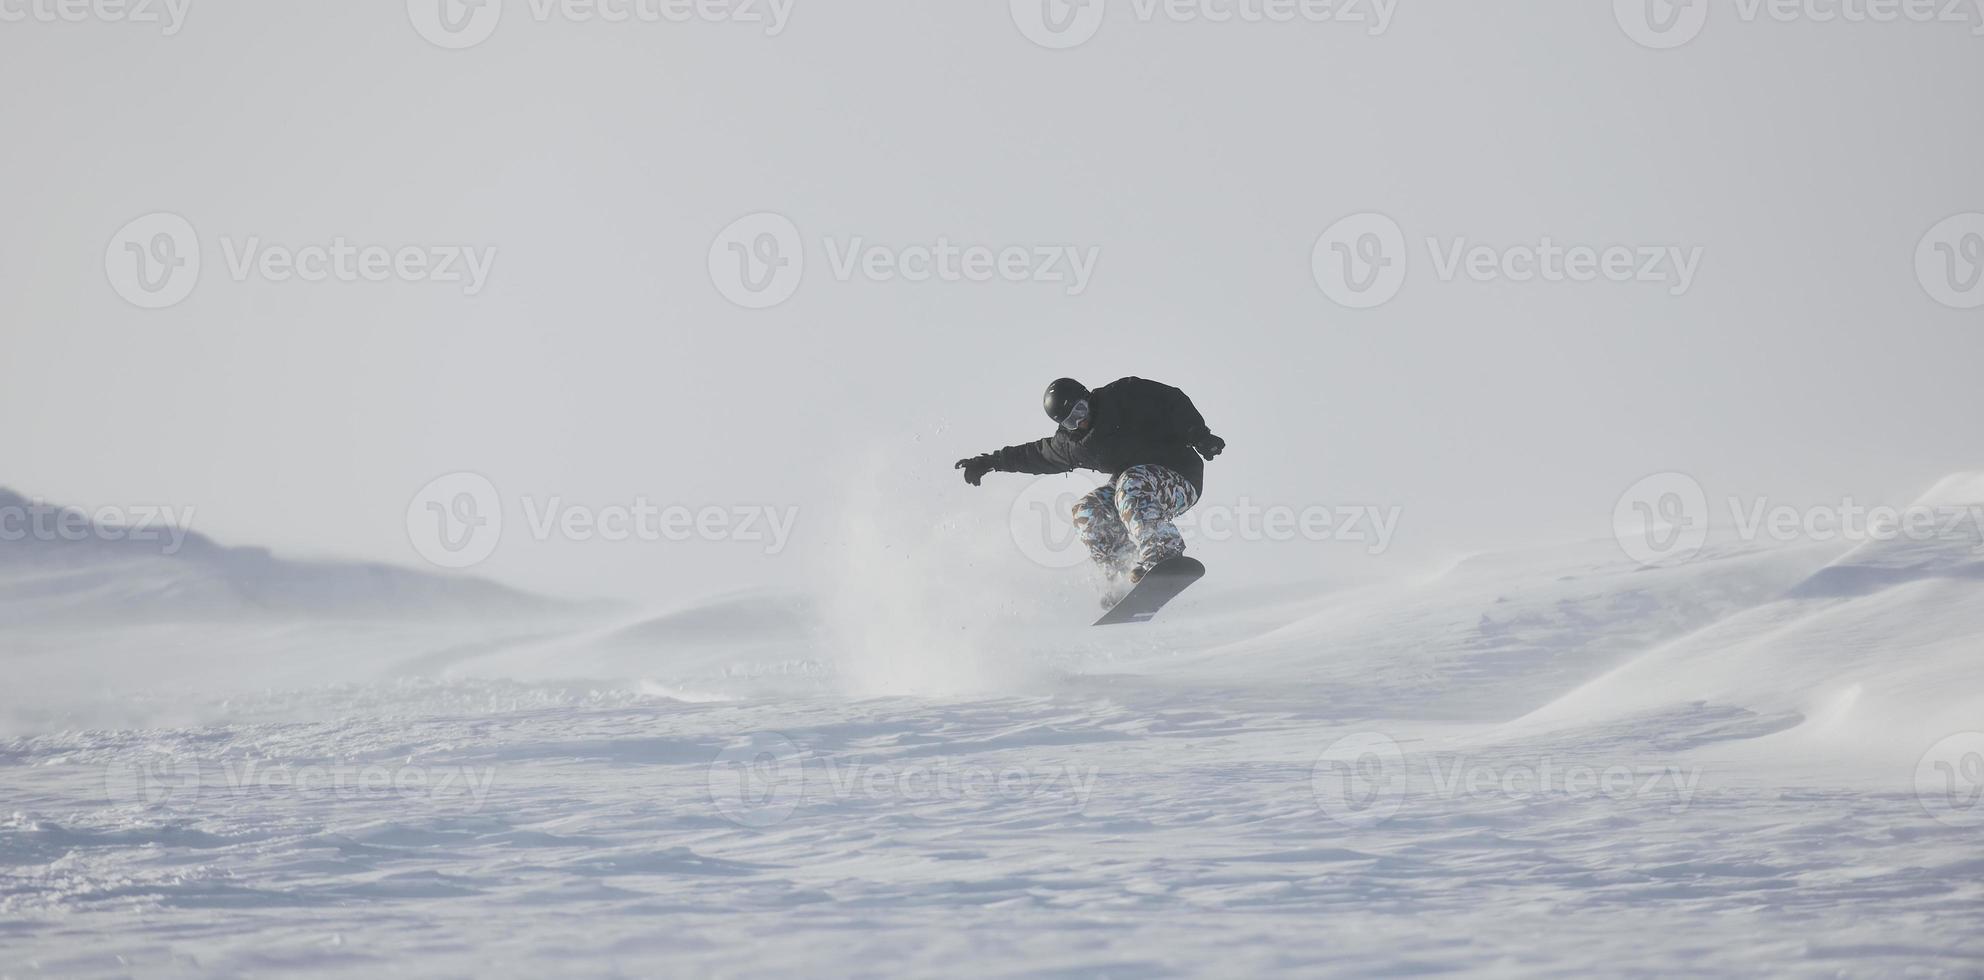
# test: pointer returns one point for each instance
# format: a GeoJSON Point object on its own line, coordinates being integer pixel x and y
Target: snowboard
{"type": "Point", "coordinates": [1160, 586]}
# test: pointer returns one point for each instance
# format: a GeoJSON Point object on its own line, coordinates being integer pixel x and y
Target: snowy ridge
{"type": "Point", "coordinates": [1953, 513]}
{"type": "Point", "coordinates": [1496, 635]}
{"type": "Point", "coordinates": [1874, 651]}
{"type": "Point", "coordinates": [89, 576]}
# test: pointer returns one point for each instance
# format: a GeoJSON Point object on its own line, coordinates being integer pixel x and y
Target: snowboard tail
{"type": "Point", "coordinates": [1161, 585]}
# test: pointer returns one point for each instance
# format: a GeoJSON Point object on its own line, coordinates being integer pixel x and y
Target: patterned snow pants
{"type": "Point", "coordinates": [1128, 522]}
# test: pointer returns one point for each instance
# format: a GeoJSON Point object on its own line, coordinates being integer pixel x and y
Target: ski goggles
{"type": "Point", "coordinates": [1076, 416]}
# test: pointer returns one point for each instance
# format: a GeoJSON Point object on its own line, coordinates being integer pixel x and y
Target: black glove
{"type": "Point", "coordinates": [1210, 446]}
{"type": "Point", "coordinates": [975, 468]}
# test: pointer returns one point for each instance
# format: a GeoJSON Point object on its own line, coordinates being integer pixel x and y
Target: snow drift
{"type": "Point", "coordinates": [1869, 657]}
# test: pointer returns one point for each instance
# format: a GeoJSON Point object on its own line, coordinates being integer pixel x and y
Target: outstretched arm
{"type": "Point", "coordinates": [1041, 457]}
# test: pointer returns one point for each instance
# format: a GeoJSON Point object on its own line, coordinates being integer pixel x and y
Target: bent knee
{"type": "Point", "coordinates": [1096, 503]}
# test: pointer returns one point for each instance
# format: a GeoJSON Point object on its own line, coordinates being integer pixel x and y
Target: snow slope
{"type": "Point", "coordinates": [1553, 761]}
{"type": "Point", "coordinates": [88, 576]}
{"type": "Point", "coordinates": [1875, 655]}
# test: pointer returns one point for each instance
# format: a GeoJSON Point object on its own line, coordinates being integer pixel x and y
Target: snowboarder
{"type": "Point", "coordinates": [1149, 438]}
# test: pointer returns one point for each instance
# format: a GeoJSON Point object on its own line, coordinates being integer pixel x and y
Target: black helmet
{"type": "Point", "coordinates": [1061, 398]}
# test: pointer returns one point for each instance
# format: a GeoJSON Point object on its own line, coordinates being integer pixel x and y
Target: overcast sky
{"type": "Point", "coordinates": [1790, 170]}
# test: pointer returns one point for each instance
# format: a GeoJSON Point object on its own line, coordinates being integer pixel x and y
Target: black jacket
{"type": "Point", "coordinates": [1131, 422]}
